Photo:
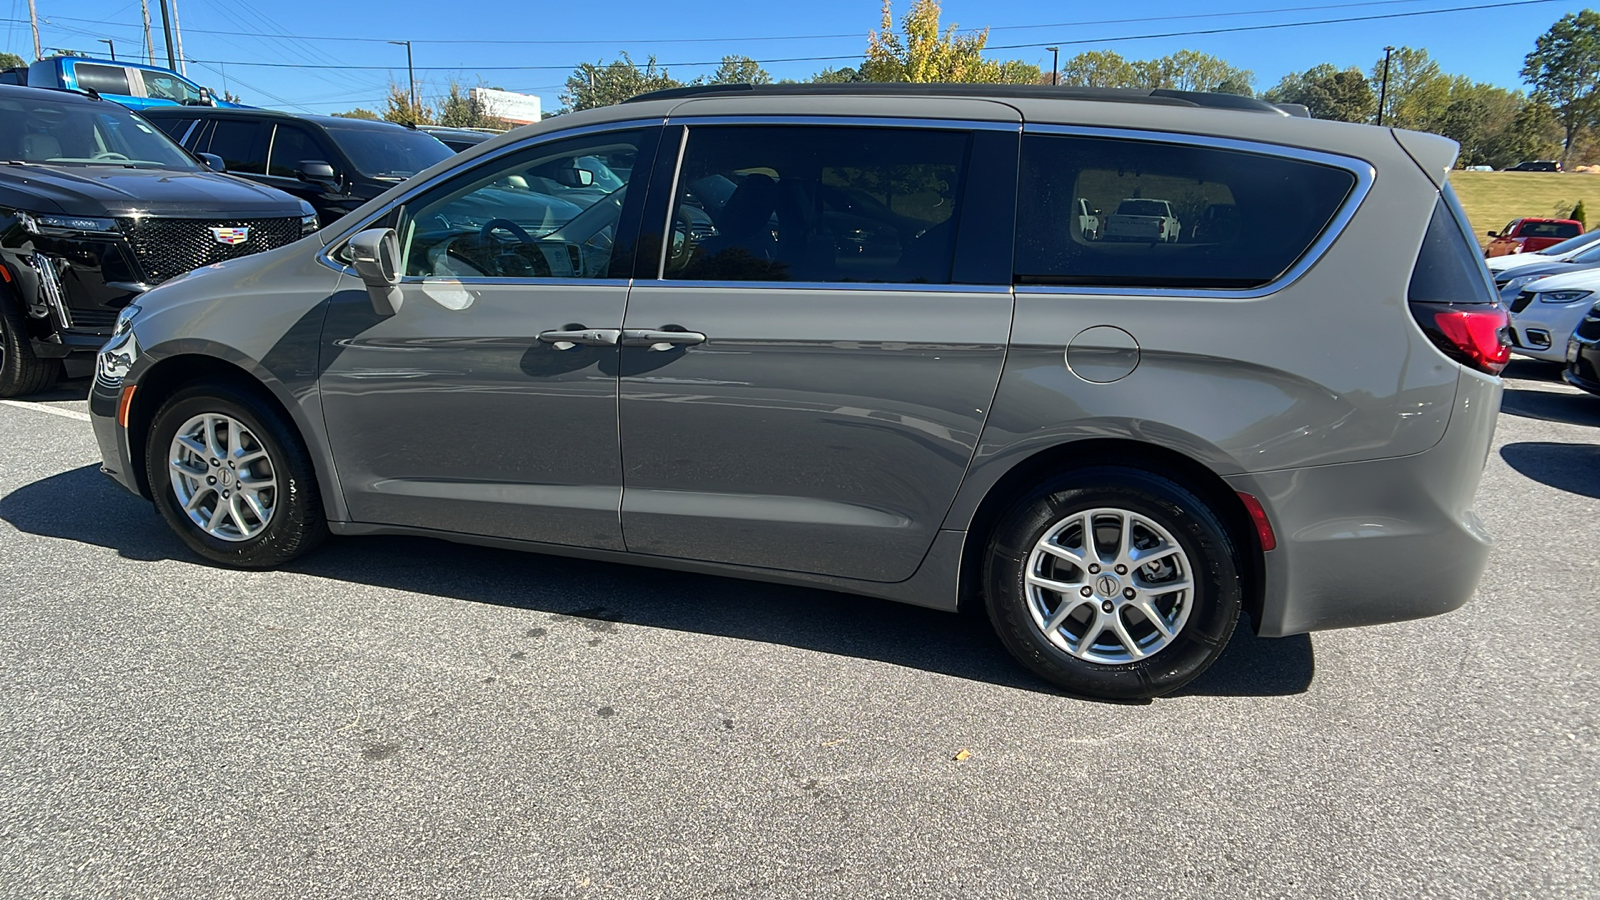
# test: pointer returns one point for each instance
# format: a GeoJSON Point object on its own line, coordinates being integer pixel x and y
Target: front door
{"type": "Point", "coordinates": [804, 386]}
{"type": "Point", "coordinates": [487, 404]}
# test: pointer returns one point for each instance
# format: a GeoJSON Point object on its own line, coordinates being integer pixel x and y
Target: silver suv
{"type": "Point", "coordinates": [858, 338]}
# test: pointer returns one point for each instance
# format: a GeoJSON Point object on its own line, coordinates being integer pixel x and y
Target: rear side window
{"type": "Point", "coordinates": [817, 204]}
{"type": "Point", "coordinates": [102, 79]}
{"type": "Point", "coordinates": [242, 145]}
{"type": "Point", "coordinates": [290, 147]}
{"type": "Point", "coordinates": [175, 128]}
{"type": "Point", "coordinates": [1127, 213]}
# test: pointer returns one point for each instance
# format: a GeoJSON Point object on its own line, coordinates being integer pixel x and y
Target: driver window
{"type": "Point", "coordinates": [817, 204]}
{"type": "Point", "coordinates": [549, 211]}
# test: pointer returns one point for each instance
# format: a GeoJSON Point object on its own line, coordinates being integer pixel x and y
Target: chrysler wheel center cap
{"type": "Point", "coordinates": [1108, 586]}
{"type": "Point", "coordinates": [224, 477]}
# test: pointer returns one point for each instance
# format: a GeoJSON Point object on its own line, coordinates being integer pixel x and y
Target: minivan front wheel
{"type": "Point", "coordinates": [230, 476]}
{"type": "Point", "coordinates": [1113, 583]}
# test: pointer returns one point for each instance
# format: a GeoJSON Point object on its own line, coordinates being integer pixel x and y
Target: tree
{"type": "Point", "coordinates": [1099, 69]}
{"type": "Point", "coordinates": [1340, 95]}
{"type": "Point", "coordinates": [1534, 133]}
{"type": "Point", "coordinates": [596, 84]}
{"type": "Point", "coordinates": [1564, 69]}
{"type": "Point", "coordinates": [359, 113]}
{"type": "Point", "coordinates": [1189, 70]}
{"type": "Point", "coordinates": [460, 109]}
{"type": "Point", "coordinates": [845, 75]}
{"type": "Point", "coordinates": [1418, 91]}
{"type": "Point", "coordinates": [740, 70]}
{"type": "Point", "coordinates": [400, 109]}
{"type": "Point", "coordinates": [926, 54]}
{"type": "Point", "coordinates": [10, 61]}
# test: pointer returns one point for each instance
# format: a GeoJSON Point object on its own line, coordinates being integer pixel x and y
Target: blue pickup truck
{"type": "Point", "coordinates": [133, 85]}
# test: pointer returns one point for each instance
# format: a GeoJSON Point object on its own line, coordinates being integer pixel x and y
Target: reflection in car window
{"type": "Point", "coordinates": [1166, 215]}
{"type": "Point", "coordinates": [547, 212]}
{"type": "Point", "coordinates": [817, 204]}
{"type": "Point", "coordinates": [292, 146]}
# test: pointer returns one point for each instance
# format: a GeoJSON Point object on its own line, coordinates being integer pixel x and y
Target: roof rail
{"type": "Point", "coordinates": [1156, 96]}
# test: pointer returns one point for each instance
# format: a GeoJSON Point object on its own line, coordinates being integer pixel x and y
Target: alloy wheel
{"type": "Point", "coordinates": [223, 477]}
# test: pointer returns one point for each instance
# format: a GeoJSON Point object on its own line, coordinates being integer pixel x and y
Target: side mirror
{"type": "Point", "coordinates": [213, 162]}
{"type": "Point", "coordinates": [375, 253]}
{"type": "Point", "coordinates": [206, 97]}
{"type": "Point", "coordinates": [1492, 233]}
{"type": "Point", "coordinates": [319, 173]}
{"type": "Point", "coordinates": [575, 177]}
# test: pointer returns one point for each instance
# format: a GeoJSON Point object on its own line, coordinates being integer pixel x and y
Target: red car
{"type": "Point", "coordinates": [1528, 235]}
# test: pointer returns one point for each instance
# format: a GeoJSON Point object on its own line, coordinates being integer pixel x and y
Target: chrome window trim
{"type": "Point", "coordinates": [1363, 171]}
{"type": "Point", "coordinates": [490, 281]}
{"type": "Point", "coordinates": [332, 244]}
{"type": "Point", "coordinates": [881, 286]}
{"type": "Point", "coordinates": [849, 121]}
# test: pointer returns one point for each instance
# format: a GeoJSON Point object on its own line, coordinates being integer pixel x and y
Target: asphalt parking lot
{"type": "Point", "coordinates": [406, 717]}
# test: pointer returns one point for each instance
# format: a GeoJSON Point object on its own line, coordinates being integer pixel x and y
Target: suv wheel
{"type": "Point", "coordinates": [1113, 583]}
{"type": "Point", "coordinates": [20, 371]}
{"type": "Point", "coordinates": [231, 477]}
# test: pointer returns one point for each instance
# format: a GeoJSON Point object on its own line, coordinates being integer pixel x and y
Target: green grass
{"type": "Point", "coordinates": [1492, 199]}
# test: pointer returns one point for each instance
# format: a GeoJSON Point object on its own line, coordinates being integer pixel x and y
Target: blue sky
{"type": "Point", "coordinates": [1484, 44]}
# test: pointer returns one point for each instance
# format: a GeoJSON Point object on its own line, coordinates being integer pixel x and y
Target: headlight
{"type": "Point", "coordinates": [116, 359]}
{"type": "Point", "coordinates": [1563, 296]}
{"type": "Point", "coordinates": [308, 224]}
{"type": "Point", "coordinates": [45, 223]}
{"type": "Point", "coordinates": [124, 320]}
{"type": "Point", "coordinates": [1517, 282]}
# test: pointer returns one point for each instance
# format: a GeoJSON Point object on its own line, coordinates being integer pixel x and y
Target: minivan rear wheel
{"type": "Point", "coordinates": [1113, 583]}
{"type": "Point", "coordinates": [231, 477]}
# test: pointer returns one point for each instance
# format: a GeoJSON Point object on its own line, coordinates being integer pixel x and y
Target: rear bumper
{"type": "Point", "coordinates": [1381, 541]}
{"type": "Point", "coordinates": [1583, 368]}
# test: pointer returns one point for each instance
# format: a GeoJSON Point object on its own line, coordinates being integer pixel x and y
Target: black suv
{"type": "Point", "coordinates": [333, 163]}
{"type": "Point", "coordinates": [1535, 165]}
{"type": "Point", "coordinates": [96, 206]}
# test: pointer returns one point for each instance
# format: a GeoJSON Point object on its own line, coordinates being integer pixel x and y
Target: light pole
{"type": "Point", "coordinates": [112, 44]}
{"type": "Point", "coordinates": [1055, 68]}
{"type": "Point", "coordinates": [411, 75]}
{"type": "Point", "coordinates": [166, 31]}
{"type": "Point", "coordinates": [1383, 89]}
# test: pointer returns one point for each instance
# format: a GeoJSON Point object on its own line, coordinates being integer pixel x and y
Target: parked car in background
{"type": "Point", "coordinates": [1535, 165]}
{"type": "Point", "coordinates": [14, 75]}
{"type": "Point", "coordinates": [1088, 220]}
{"type": "Point", "coordinates": [1583, 353]}
{"type": "Point", "coordinates": [1553, 253]}
{"type": "Point", "coordinates": [1528, 235]}
{"type": "Point", "coordinates": [134, 85]}
{"type": "Point", "coordinates": [1142, 220]}
{"type": "Point", "coordinates": [1546, 312]}
{"type": "Point", "coordinates": [458, 139]}
{"type": "Point", "coordinates": [1510, 282]}
{"type": "Point", "coordinates": [848, 368]}
{"type": "Point", "coordinates": [97, 206]}
{"type": "Point", "coordinates": [333, 163]}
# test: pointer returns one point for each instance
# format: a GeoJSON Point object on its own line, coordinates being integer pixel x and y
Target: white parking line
{"type": "Point", "coordinates": [52, 410]}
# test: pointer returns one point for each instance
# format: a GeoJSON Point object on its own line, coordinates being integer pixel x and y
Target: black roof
{"type": "Point", "coordinates": [60, 95]}
{"type": "Point", "coordinates": [209, 111]}
{"type": "Point", "coordinates": [1158, 96]}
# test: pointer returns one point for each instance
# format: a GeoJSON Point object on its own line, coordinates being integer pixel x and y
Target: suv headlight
{"type": "Point", "coordinates": [308, 224]}
{"type": "Point", "coordinates": [1563, 296]}
{"type": "Point", "coordinates": [49, 223]}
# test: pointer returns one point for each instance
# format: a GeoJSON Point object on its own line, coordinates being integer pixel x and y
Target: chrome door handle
{"type": "Point", "coordinates": [660, 340]}
{"type": "Point", "coordinates": [588, 337]}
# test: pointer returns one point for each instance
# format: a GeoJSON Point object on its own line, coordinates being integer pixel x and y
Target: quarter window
{"type": "Point", "coordinates": [102, 79]}
{"type": "Point", "coordinates": [817, 204]}
{"type": "Point", "coordinates": [548, 212]}
{"type": "Point", "coordinates": [242, 145]}
{"type": "Point", "coordinates": [1106, 212]}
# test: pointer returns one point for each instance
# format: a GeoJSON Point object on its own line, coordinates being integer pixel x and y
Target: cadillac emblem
{"type": "Point", "coordinates": [231, 236]}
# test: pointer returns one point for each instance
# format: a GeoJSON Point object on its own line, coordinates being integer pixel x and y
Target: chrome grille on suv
{"type": "Point", "coordinates": [168, 247]}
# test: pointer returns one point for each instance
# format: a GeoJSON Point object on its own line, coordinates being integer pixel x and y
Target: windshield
{"type": "Point", "coordinates": [396, 153]}
{"type": "Point", "coordinates": [45, 130]}
{"type": "Point", "coordinates": [1571, 244]}
{"type": "Point", "coordinates": [1142, 208]}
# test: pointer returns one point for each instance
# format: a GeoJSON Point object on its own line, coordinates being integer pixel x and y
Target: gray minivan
{"type": "Point", "coordinates": [857, 336]}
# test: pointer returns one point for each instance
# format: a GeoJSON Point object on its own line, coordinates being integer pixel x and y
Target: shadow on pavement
{"type": "Point", "coordinates": [823, 621]}
{"type": "Point", "coordinates": [1574, 468]}
{"type": "Point", "coordinates": [1571, 409]}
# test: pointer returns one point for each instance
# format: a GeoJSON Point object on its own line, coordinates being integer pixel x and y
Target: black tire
{"type": "Point", "coordinates": [1213, 601]}
{"type": "Point", "coordinates": [21, 373]}
{"type": "Point", "coordinates": [296, 523]}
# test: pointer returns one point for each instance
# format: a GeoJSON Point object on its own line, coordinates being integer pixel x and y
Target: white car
{"type": "Point", "coordinates": [1552, 253]}
{"type": "Point", "coordinates": [1138, 219]}
{"type": "Point", "coordinates": [1088, 221]}
{"type": "Point", "coordinates": [1546, 312]}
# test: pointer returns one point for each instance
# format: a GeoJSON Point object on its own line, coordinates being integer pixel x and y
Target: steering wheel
{"type": "Point", "coordinates": [494, 225]}
{"type": "Point", "coordinates": [108, 154]}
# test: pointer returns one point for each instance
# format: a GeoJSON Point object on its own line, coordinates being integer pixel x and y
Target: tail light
{"type": "Point", "coordinates": [1476, 336]}
{"type": "Point", "coordinates": [1452, 296]}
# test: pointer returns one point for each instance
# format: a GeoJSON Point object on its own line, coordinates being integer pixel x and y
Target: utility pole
{"type": "Point", "coordinates": [1383, 90]}
{"type": "Point", "coordinates": [183, 67]}
{"type": "Point", "coordinates": [1055, 65]}
{"type": "Point", "coordinates": [411, 76]}
{"type": "Point", "coordinates": [166, 31]}
{"type": "Point", "coordinates": [149, 45]}
{"type": "Point", "coordinates": [33, 19]}
{"type": "Point", "coordinates": [113, 45]}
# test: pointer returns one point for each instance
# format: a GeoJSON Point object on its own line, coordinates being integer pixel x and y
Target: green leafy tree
{"type": "Point", "coordinates": [1564, 69]}
{"type": "Point", "coordinates": [922, 52]}
{"type": "Point", "coordinates": [603, 84]}
{"type": "Point", "coordinates": [458, 108]}
{"type": "Point", "coordinates": [1534, 133]}
{"type": "Point", "coordinates": [359, 113]}
{"type": "Point", "coordinates": [845, 75]}
{"type": "Point", "coordinates": [399, 108]}
{"type": "Point", "coordinates": [1189, 70]}
{"type": "Point", "coordinates": [740, 70]}
{"type": "Point", "coordinates": [1418, 91]}
{"type": "Point", "coordinates": [1340, 95]}
{"type": "Point", "coordinates": [1099, 69]}
{"type": "Point", "coordinates": [10, 61]}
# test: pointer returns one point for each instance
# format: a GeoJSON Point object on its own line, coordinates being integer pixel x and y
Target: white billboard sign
{"type": "Point", "coordinates": [519, 108]}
